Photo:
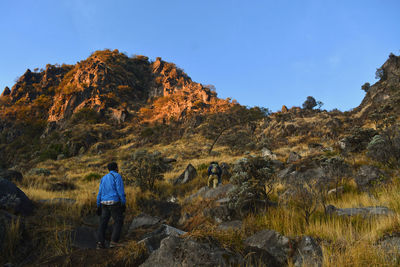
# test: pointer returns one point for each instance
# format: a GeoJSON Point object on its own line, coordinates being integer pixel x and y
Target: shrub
{"type": "Point", "coordinates": [385, 147]}
{"type": "Point", "coordinates": [146, 169]}
{"type": "Point", "coordinates": [304, 198]}
{"type": "Point", "coordinates": [254, 180]}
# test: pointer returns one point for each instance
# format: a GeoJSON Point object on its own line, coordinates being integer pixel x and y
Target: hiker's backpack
{"type": "Point", "coordinates": [214, 168]}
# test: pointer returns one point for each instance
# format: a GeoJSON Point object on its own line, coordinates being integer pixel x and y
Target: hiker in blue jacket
{"type": "Point", "coordinates": [111, 203]}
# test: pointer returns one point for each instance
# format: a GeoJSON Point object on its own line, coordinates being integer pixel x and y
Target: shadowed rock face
{"type": "Point", "coordinates": [271, 241]}
{"type": "Point", "coordinates": [13, 199]}
{"type": "Point", "coordinates": [175, 251]}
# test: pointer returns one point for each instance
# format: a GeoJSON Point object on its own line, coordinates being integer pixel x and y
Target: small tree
{"type": "Point", "coordinates": [310, 103]}
{"type": "Point", "coordinates": [304, 198]}
{"type": "Point", "coordinates": [146, 169]}
{"type": "Point", "coordinates": [365, 87]}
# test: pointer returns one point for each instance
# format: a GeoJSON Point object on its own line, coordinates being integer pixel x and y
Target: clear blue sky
{"type": "Point", "coordinates": [264, 53]}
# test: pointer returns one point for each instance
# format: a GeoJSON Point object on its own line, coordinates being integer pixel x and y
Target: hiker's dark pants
{"type": "Point", "coordinates": [108, 211]}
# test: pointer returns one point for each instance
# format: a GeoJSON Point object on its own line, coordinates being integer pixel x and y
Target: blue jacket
{"type": "Point", "coordinates": [111, 188]}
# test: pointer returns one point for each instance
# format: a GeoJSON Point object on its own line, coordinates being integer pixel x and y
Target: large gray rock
{"type": "Point", "coordinates": [265, 152]}
{"type": "Point", "coordinates": [189, 174]}
{"type": "Point", "coordinates": [277, 245]}
{"type": "Point", "coordinates": [390, 244]}
{"type": "Point", "coordinates": [143, 220]}
{"type": "Point", "coordinates": [290, 174]}
{"type": "Point", "coordinates": [293, 157]}
{"type": "Point", "coordinates": [364, 212]}
{"type": "Point", "coordinates": [219, 213]}
{"type": "Point", "coordinates": [308, 253]}
{"type": "Point", "coordinates": [185, 252]}
{"type": "Point", "coordinates": [153, 239]}
{"type": "Point", "coordinates": [13, 199]}
{"type": "Point", "coordinates": [218, 192]}
{"type": "Point", "coordinates": [13, 176]}
{"type": "Point", "coordinates": [211, 193]}
{"type": "Point", "coordinates": [231, 225]}
{"type": "Point", "coordinates": [369, 176]}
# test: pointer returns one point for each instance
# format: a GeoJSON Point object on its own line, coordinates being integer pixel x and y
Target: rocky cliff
{"type": "Point", "coordinates": [110, 83]}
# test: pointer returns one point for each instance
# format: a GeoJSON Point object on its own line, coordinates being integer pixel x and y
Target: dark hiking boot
{"type": "Point", "coordinates": [115, 244]}
{"type": "Point", "coordinates": [100, 245]}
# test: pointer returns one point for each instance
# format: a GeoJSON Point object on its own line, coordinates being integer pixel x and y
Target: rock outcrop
{"type": "Point", "coordinates": [13, 199]}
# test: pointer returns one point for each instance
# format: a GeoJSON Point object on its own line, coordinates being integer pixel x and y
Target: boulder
{"type": "Point", "coordinates": [143, 220]}
{"type": "Point", "coordinates": [231, 225]}
{"type": "Point", "coordinates": [293, 157]}
{"type": "Point", "coordinates": [13, 199]}
{"type": "Point", "coordinates": [277, 245]}
{"type": "Point", "coordinates": [219, 213]}
{"type": "Point", "coordinates": [265, 152]}
{"type": "Point", "coordinates": [189, 174]}
{"type": "Point", "coordinates": [369, 176]}
{"type": "Point", "coordinates": [308, 253]}
{"type": "Point", "coordinates": [365, 212]}
{"type": "Point", "coordinates": [169, 160]}
{"type": "Point", "coordinates": [13, 176]}
{"type": "Point", "coordinates": [218, 192]}
{"type": "Point", "coordinates": [390, 244]}
{"type": "Point", "coordinates": [153, 239]}
{"type": "Point", "coordinates": [175, 251]}
{"type": "Point", "coordinates": [211, 193]}
{"type": "Point", "coordinates": [168, 211]}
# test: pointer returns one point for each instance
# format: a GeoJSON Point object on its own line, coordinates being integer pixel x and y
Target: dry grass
{"type": "Point", "coordinates": [345, 241]}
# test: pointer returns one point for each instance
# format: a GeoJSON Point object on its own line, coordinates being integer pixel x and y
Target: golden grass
{"type": "Point", "coordinates": [345, 241]}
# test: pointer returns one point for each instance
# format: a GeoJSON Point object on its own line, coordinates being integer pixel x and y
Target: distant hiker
{"type": "Point", "coordinates": [214, 174]}
{"type": "Point", "coordinates": [111, 203]}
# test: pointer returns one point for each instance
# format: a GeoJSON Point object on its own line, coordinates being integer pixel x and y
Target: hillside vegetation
{"type": "Point", "coordinates": [326, 182]}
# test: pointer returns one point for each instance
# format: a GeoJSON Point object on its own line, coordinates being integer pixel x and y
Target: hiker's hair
{"type": "Point", "coordinates": [214, 162]}
{"type": "Point", "coordinates": [112, 166]}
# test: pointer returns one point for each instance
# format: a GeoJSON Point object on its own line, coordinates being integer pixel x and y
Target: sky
{"type": "Point", "coordinates": [259, 52]}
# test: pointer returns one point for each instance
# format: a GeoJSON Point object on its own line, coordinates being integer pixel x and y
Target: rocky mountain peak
{"type": "Point", "coordinates": [112, 84]}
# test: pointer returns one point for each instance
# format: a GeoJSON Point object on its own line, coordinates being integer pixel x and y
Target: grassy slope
{"type": "Point", "coordinates": [346, 242]}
